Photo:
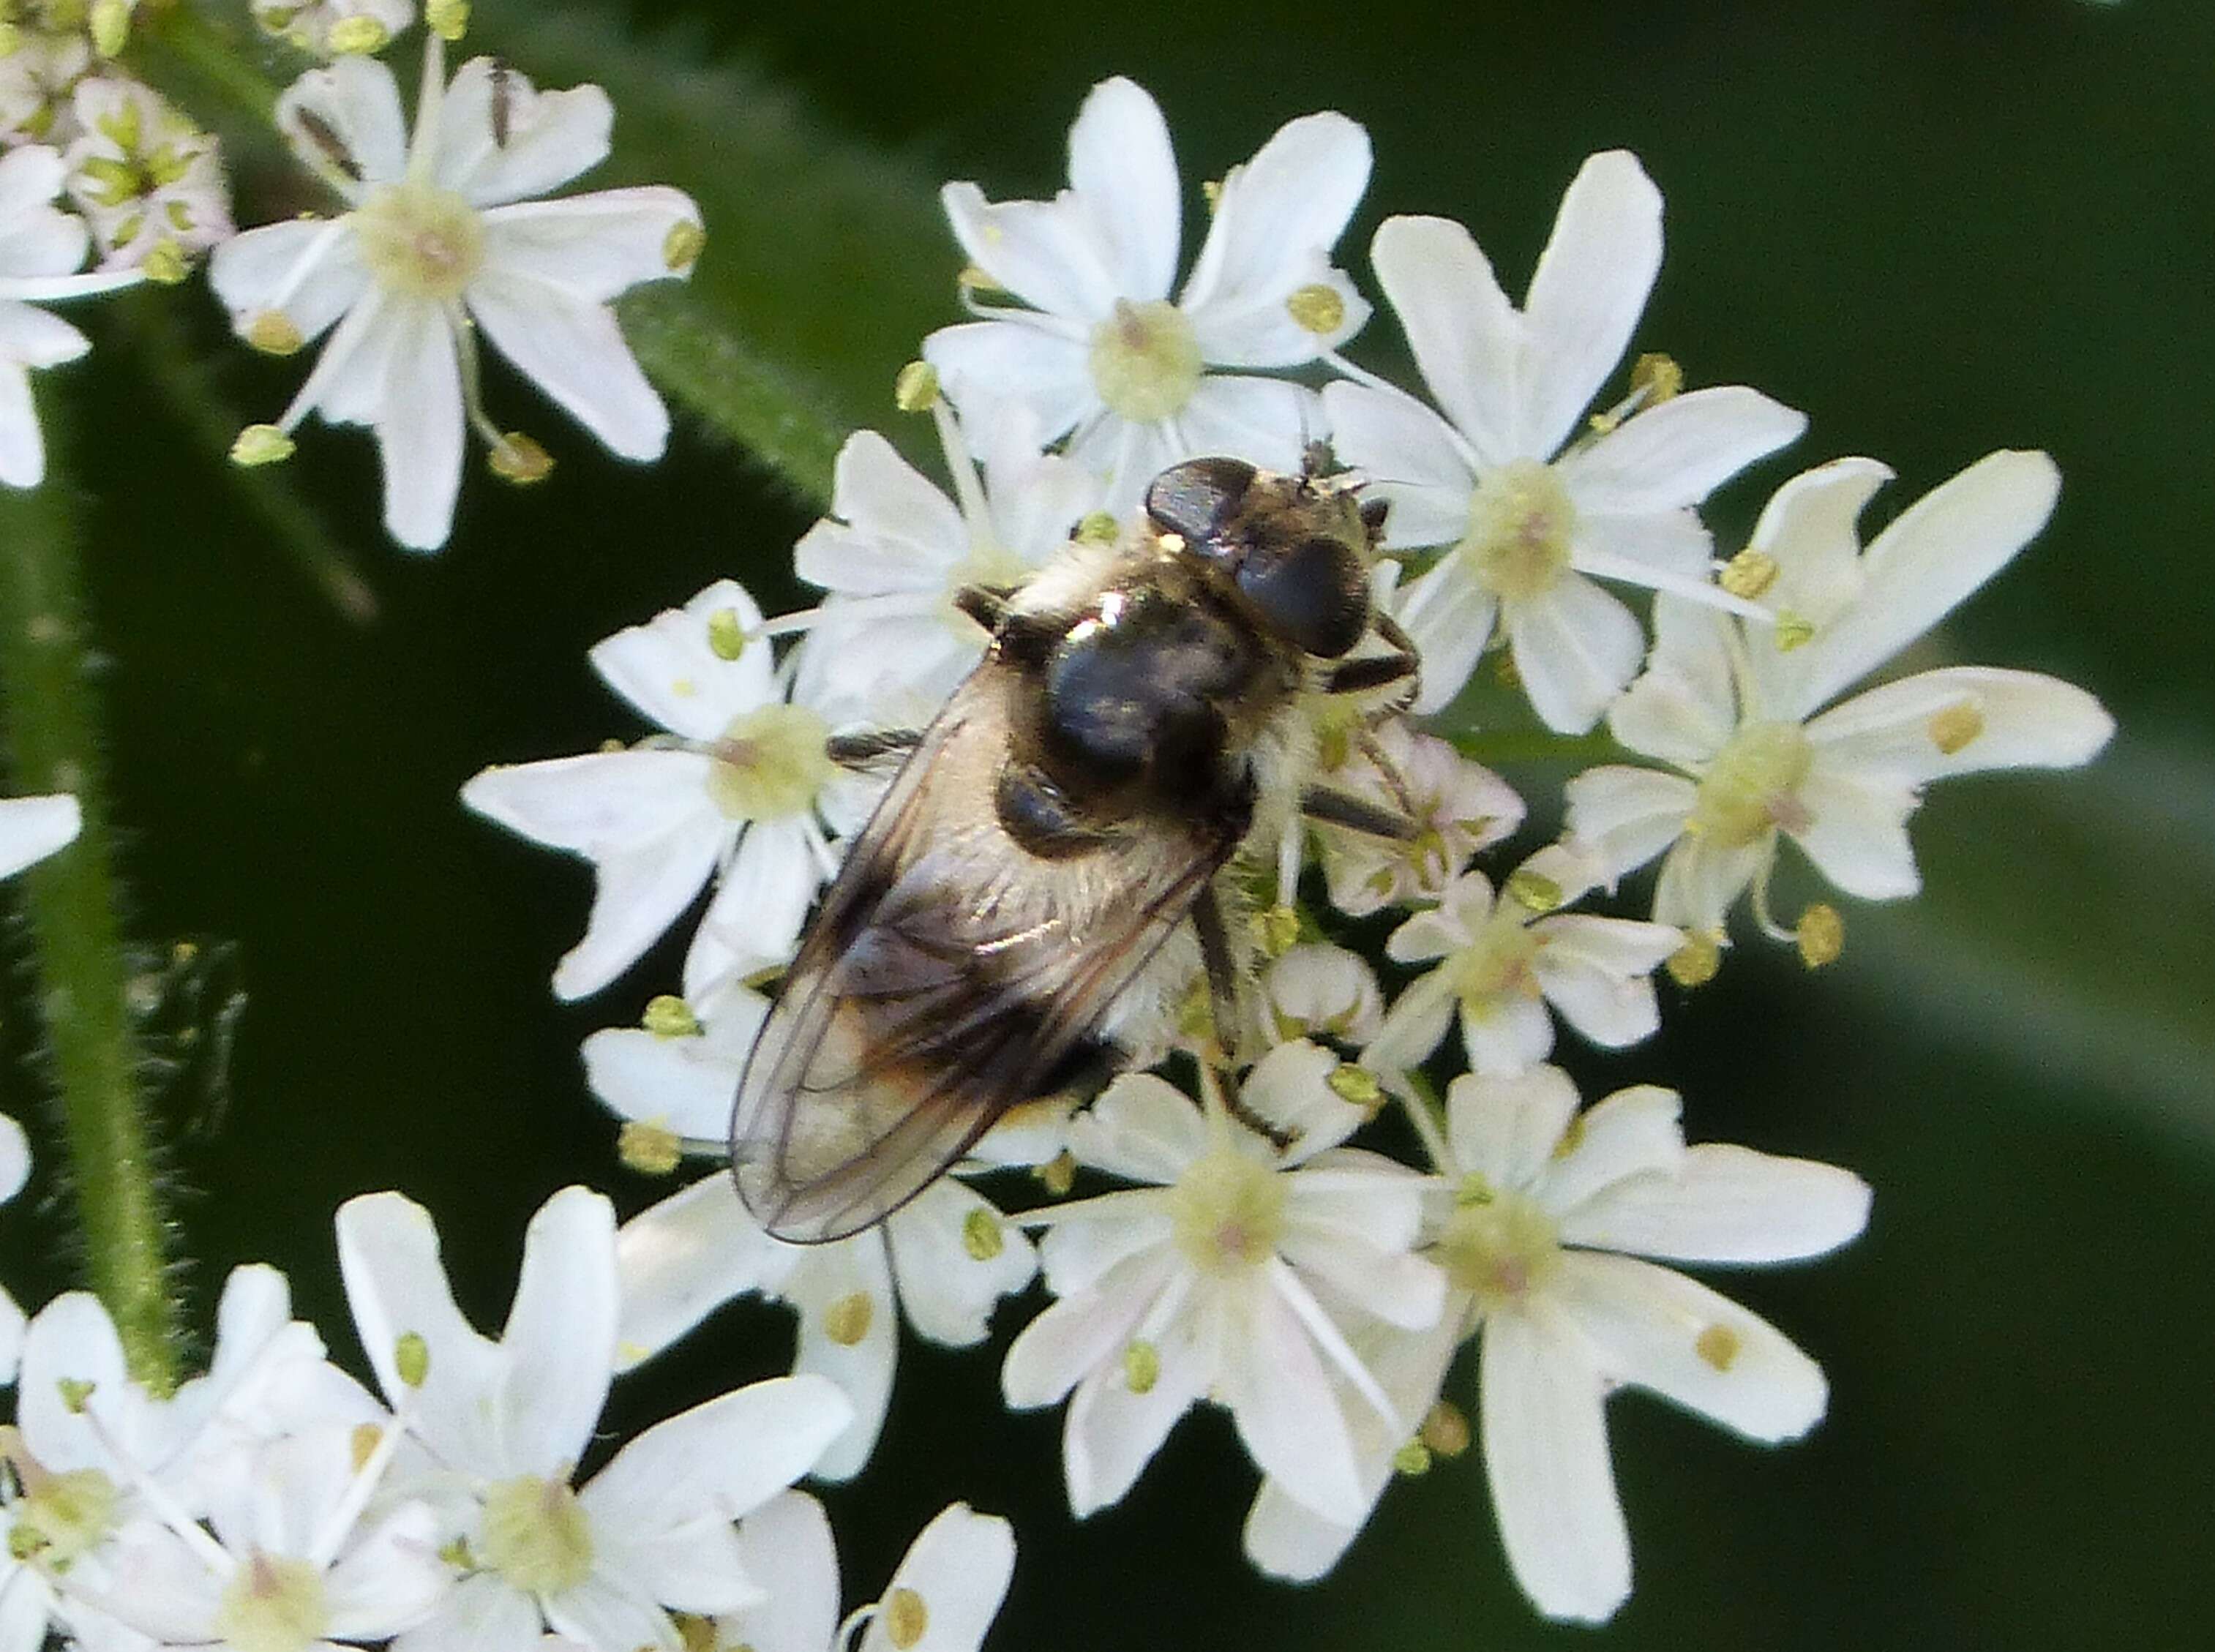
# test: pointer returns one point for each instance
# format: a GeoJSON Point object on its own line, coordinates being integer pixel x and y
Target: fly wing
{"type": "Point", "coordinates": [950, 975]}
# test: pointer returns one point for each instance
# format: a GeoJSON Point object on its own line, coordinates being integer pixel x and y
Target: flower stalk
{"type": "Point", "coordinates": [49, 722]}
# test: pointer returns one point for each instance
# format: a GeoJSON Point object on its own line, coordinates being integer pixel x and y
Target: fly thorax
{"type": "Point", "coordinates": [1520, 525]}
{"type": "Point", "coordinates": [770, 763]}
{"type": "Point", "coordinates": [1145, 360]}
{"type": "Point", "coordinates": [1228, 1211]}
{"type": "Point", "coordinates": [273, 1604]}
{"type": "Point", "coordinates": [1494, 966]}
{"type": "Point", "coordinates": [1752, 787]}
{"type": "Point", "coordinates": [1497, 1245]}
{"type": "Point", "coordinates": [537, 1535]}
{"type": "Point", "coordinates": [419, 241]}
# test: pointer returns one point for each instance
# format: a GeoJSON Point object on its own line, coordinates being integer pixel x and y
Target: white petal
{"type": "Point", "coordinates": [1280, 1398]}
{"type": "Point", "coordinates": [1644, 547]}
{"type": "Point", "coordinates": [389, 1578]}
{"type": "Point", "coordinates": [988, 365]}
{"type": "Point", "coordinates": [1633, 1133]}
{"type": "Point", "coordinates": [23, 443]}
{"type": "Point", "coordinates": [1856, 832]}
{"type": "Point", "coordinates": [419, 426]}
{"type": "Point", "coordinates": [959, 1567]}
{"type": "Point", "coordinates": [396, 1286]}
{"type": "Point", "coordinates": [1408, 455]}
{"type": "Point", "coordinates": [645, 821]}
{"type": "Point", "coordinates": [1354, 1238]}
{"type": "Point", "coordinates": [1414, 1026]}
{"type": "Point", "coordinates": [1726, 1203]}
{"type": "Point", "coordinates": [1053, 255]}
{"type": "Point", "coordinates": [1448, 614]}
{"type": "Point", "coordinates": [1264, 420]}
{"type": "Point", "coordinates": [356, 101]}
{"type": "Point", "coordinates": [1466, 335]}
{"type": "Point", "coordinates": [12, 1323]}
{"type": "Point", "coordinates": [1575, 647]}
{"type": "Point", "coordinates": [1545, 1453]}
{"type": "Point", "coordinates": [1660, 1331]}
{"type": "Point", "coordinates": [560, 1339]}
{"type": "Point", "coordinates": [1595, 971]}
{"type": "Point", "coordinates": [550, 137]}
{"type": "Point", "coordinates": [1111, 1431]}
{"type": "Point", "coordinates": [1628, 816]}
{"type": "Point", "coordinates": [1700, 877]}
{"type": "Point", "coordinates": [1082, 1331]}
{"type": "Point", "coordinates": [574, 351]}
{"type": "Point", "coordinates": [1275, 222]}
{"type": "Point", "coordinates": [598, 1615]}
{"type": "Point", "coordinates": [1505, 1130]}
{"type": "Point", "coordinates": [684, 1084]}
{"type": "Point", "coordinates": [1124, 172]}
{"type": "Point", "coordinates": [1807, 529]}
{"type": "Point", "coordinates": [726, 1458]}
{"type": "Point", "coordinates": [484, 1613]}
{"type": "Point", "coordinates": [947, 1289]}
{"type": "Point", "coordinates": [1938, 552]}
{"type": "Point", "coordinates": [841, 1281]}
{"type": "Point", "coordinates": [1505, 1035]}
{"type": "Point", "coordinates": [1586, 296]}
{"type": "Point", "coordinates": [764, 896]}
{"type": "Point", "coordinates": [31, 828]}
{"type": "Point", "coordinates": [1076, 1254]}
{"type": "Point", "coordinates": [591, 247]}
{"type": "Point", "coordinates": [786, 1542]}
{"type": "Point", "coordinates": [1990, 718]}
{"type": "Point", "coordinates": [1290, 1089]}
{"type": "Point", "coordinates": [681, 1259]}
{"type": "Point", "coordinates": [310, 269]}
{"type": "Point", "coordinates": [30, 177]}
{"type": "Point", "coordinates": [1684, 707]}
{"type": "Point", "coordinates": [1143, 1128]}
{"type": "Point", "coordinates": [1677, 453]}
{"type": "Point", "coordinates": [900, 533]}
{"type": "Point", "coordinates": [669, 668]}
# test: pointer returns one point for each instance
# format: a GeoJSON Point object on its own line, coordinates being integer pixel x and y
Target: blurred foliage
{"type": "Point", "coordinates": [1941, 226]}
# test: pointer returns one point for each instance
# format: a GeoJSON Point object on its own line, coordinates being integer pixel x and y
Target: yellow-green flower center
{"type": "Point", "coordinates": [770, 763]}
{"type": "Point", "coordinates": [273, 1604]}
{"type": "Point", "coordinates": [61, 1516]}
{"type": "Point", "coordinates": [1750, 788]}
{"type": "Point", "coordinates": [1497, 1246]}
{"type": "Point", "coordinates": [421, 242]}
{"type": "Point", "coordinates": [1145, 360]}
{"type": "Point", "coordinates": [1495, 965]}
{"type": "Point", "coordinates": [537, 1535]}
{"type": "Point", "coordinates": [1520, 523]}
{"type": "Point", "coordinates": [1229, 1211]}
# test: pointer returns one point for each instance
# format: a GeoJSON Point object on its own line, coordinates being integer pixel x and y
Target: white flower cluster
{"type": "Point", "coordinates": [276, 1504]}
{"type": "Point", "coordinates": [444, 237]}
{"type": "Point", "coordinates": [1252, 1257]}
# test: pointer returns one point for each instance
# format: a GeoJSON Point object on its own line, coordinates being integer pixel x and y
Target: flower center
{"type": "Point", "coordinates": [273, 1604]}
{"type": "Point", "coordinates": [62, 1516]}
{"type": "Point", "coordinates": [1145, 360]}
{"type": "Point", "coordinates": [1520, 522]}
{"type": "Point", "coordinates": [537, 1535]}
{"type": "Point", "coordinates": [419, 241]}
{"type": "Point", "coordinates": [1496, 1246]}
{"type": "Point", "coordinates": [1495, 965]}
{"type": "Point", "coordinates": [1748, 790]}
{"type": "Point", "coordinates": [770, 763]}
{"type": "Point", "coordinates": [1228, 1211]}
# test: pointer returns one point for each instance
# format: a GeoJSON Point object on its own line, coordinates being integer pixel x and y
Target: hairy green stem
{"type": "Point", "coordinates": [80, 971]}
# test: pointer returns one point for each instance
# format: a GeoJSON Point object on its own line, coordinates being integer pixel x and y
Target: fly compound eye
{"type": "Point", "coordinates": [1198, 498]}
{"type": "Point", "coordinates": [1314, 593]}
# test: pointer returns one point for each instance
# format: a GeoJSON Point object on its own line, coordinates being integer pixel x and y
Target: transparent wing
{"type": "Point", "coordinates": [950, 975]}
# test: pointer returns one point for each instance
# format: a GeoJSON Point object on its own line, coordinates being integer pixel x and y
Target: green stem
{"type": "Point", "coordinates": [71, 901]}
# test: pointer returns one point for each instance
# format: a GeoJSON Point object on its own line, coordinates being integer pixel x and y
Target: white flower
{"type": "Point", "coordinates": [148, 180]}
{"type": "Point", "coordinates": [334, 28]}
{"type": "Point", "coordinates": [1541, 1202]}
{"type": "Point", "coordinates": [292, 1564]}
{"type": "Point", "coordinates": [943, 1596]}
{"type": "Point", "coordinates": [1527, 513]}
{"type": "Point", "coordinates": [1320, 990]}
{"type": "Point", "coordinates": [1458, 807]}
{"type": "Point", "coordinates": [1100, 354]}
{"type": "Point", "coordinates": [31, 828]}
{"type": "Point", "coordinates": [942, 1262]}
{"type": "Point", "coordinates": [444, 238]}
{"type": "Point", "coordinates": [605, 1564]}
{"type": "Point", "coordinates": [14, 1172]}
{"type": "Point", "coordinates": [1503, 962]}
{"type": "Point", "coordinates": [1203, 1285]}
{"type": "Point", "coordinates": [36, 80]}
{"type": "Point", "coordinates": [896, 551]}
{"type": "Point", "coordinates": [1738, 710]}
{"type": "Point", "coordinates": [40, 247]}
{"type": "Point", "coordinates": [745, 793]}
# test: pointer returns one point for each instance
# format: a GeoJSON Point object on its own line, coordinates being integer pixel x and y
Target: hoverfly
{"type": "Point", "coordinates": [1047, 870]}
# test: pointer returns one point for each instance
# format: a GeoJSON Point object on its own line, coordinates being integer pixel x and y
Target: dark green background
{"type": "Point", "coordinates": [1940, 228]}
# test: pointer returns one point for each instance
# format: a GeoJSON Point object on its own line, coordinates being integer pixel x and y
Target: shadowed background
{"type": "Point", "coordinates": [1940, 228]}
